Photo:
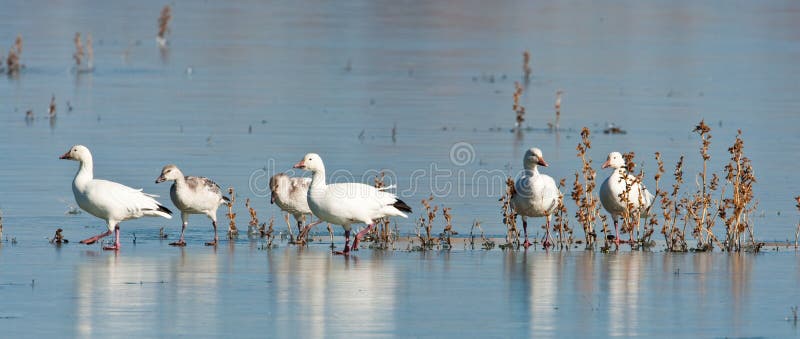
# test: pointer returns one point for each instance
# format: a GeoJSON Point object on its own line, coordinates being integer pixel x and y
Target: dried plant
{"type": "Point", "coordinates": [383, 235]}
{"type": "Point", "coordinates": [735, 210]}
{"type": "Point", "coordinates": [51, 110]}
{"type": "Point", "coordinates": [518, 109]}
{"type": "Point", "coordinates": [268, 232]}
{"type": "Point", "coordinates": [252, 226]}
{"type": "Point", "coordinates": [699, 205]}
{"type": "Point", "coordinates": [583, 193]}
{"type": "Point", "coordinates": [89, 52]}
{"type": "Point", "coordinates": [1, 224]}
{"type": "Point", "coordinates": [233, 232]}
{"type": "Point", "coordinates": [653, 223]}
{"type": "Point", "coordinates": [486, 244]}
{"type": "Point", "coordinates": [448, 231]}
{"type": "Point", "coordinates": [425, 222]}
{"type": "Point", "coordinates": [78, 55]}
{"type": "Point", "coordinates": [637, 202]}
{"type": "Point", "coordinates": [58, 238]}
{"type": "Point", "coordinates": [13, 61]}
{"type": "Point", "coordinates": [163, 25]}
{"type": "Point", "coordinates": [629, 214]}
{"type": "Point", "coordinates": [555, 125]}
{"type": "Point", "coordinates": [562, 221]}
{"type": "Point", "coordinates": [81, 52]}
{"type": "Point", "coordinates": [509, 215]}
{"type": "Point", "coordinates": [796, 233]}
{"type": "Point", "coordinates": [671, 210]}
{"type": "Point", "coordinates": [526, 66]}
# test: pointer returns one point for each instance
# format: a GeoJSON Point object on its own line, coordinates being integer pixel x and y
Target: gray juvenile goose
{"type": "Point", "coordinates": [193, 195]}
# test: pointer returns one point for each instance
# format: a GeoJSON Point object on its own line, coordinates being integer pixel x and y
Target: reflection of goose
{"type": "Point", "coordinates": [348, 203]}
{"type": "Point", "coordinates": [193, 195]}
{"type": "Point", "coordinates": [536, 195]}
{"type": "Point", "coordinates": [118, 296]}
{"type": "Point", "coordinates": [613, 187]}
{"type": "Point", "coordinates": [109, 200]}
{"type": "Point", "coordinates": [625, 274]}
{"type": "Point", "coordinates": [543, 292]}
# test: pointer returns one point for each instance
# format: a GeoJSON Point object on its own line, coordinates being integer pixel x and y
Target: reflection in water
{"type": "Point", "coordinates": [330, 292]}
{"type": "Point", "coordinates": [128, 294]}
{"type": "Point", "coordinates": [543, 291]}
{"type": "Point", "coordinates": [625, 274]}
{"type": "Point", "coordinates": [307, 292]}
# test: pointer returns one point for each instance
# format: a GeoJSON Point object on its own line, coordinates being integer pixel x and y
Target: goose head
{"type": "Point", "coordinates": [614, 161]}
{"type": "Point", "coordinates": [77, 153]}
{"type": "Point", "coordinates": [533, 157]}
{"type": "Point", "coordinates": [169, 172]}
{"type": "Point", "coordinates": [276, 182]}
{"type": "Point", "coordinates": [311, 162]}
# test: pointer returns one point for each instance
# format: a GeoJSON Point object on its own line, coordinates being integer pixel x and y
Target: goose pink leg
{"type": "Point", "coordinates": [216, 238]}
{"type": "Point", "coordinates": [95, 238]}
{"type": "Point", "coordinates": [346, 244]}
{"type": "Point", "coordinates": [527, 243]}
{"type": "Point", "coordinates": [616, 237]}
{"type": "Point", "coordinates": [546, 243]}
{"type": "Point", "coordinates": [116, 245]}
{"type": "Point", "coordinates": [180, 242]}
{"type": "Point", "coordinates": [361, 235]}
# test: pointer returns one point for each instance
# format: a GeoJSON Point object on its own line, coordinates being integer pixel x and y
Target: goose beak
{"type": "Point", "coordinates": [606, 164]}
{"type": "Point", "coordinates": [272, 198]}
{"type": "Point", "coordinates": [301, 165]}
{"type": "Point", "coordinates": [65, 156]}
{"type": "Point", "coordinates": [160, 179]}
{"type": "Point", "coordinates": [542, 162]}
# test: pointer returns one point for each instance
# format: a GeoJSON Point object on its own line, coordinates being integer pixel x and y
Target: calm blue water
{"type": "Point", "coordinates": [281, 71]}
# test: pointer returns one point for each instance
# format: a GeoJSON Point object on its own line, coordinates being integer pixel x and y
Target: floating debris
{"type": "Point", "coordinates": [526, 68]}
{"type": "Point", "coordinates": [13, 61]}
{"type": "Point", "coordinates": [58, 238]}
{"type": "Point", "coordinates": [163, 25]}
{"type": "Point", "coordinates": [52, 109]}
{"type": "Point", "coordinates": [81, 51]}
{"type": "Point", "coordinates": [613, 129]}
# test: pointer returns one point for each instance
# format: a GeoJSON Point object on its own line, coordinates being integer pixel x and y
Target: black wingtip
{"type": "Point", "coordinates": [402, 206]}
{"type": "Point", "coordinates": [161, 208]}
{"type": "Point", "coordinates": [226, 199]}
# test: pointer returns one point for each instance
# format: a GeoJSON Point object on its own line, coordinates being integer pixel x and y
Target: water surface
{"type": "Point", "coordinates": [246, 88]}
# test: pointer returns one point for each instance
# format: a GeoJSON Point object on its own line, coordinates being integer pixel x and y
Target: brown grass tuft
{"type": "Point", "coordinates": [233, 232]}
{"type": "Point", "coordinates": [518, 109]}
{"type": "Point", "coordinates": [13, 61]}
{"type": "Point", "coordinates": [526, 66]}
{"type": "Point", "coordinates": [583, 192]}
{"type": "Point", "coordinates": [736, 209]}
{"type": "Point", "coordinates": [163, 23]}
{"type": "Point", "coordinates": [509, 215]}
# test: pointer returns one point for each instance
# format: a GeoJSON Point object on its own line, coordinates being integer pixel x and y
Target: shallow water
{"type": "Point", "coordinates": [155, 290]}
{"type": "Point", "coordinates": [280, 70]}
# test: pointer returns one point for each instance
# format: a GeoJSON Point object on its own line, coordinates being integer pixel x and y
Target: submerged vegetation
{"type": "Point", "coordinates": [163, 25]}
{"type": "Point", "coordinates": [14, 59]}
{"type": "Point", "coordinates": [84, 53]}
{"type": "Point", "coordinates": [583, 193]}
{"type": "Point", "coordinates": [233, 232]}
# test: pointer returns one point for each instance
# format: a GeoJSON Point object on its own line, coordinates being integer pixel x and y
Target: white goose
{"type": "Point", "coordinates": [613, 187]}
{"type": "Point", "coordinates": [109, 200]}
{"type": "Point", "coordinates": [536, 194]}
{"type": "Point", "coordinates": [290, 194]}
{"type": "Point", "coordinates": [348, 203]}
{"type": "Point", "coordinates": [193, 195]}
